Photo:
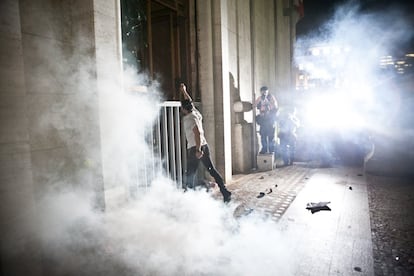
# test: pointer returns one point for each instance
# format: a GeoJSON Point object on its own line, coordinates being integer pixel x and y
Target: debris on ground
{"type": "Point", "coordinates": [357, 268]}
{"type": "Point", "coordinates": [319, 206]}
{"type": "Point", "coordinates": [261, 195]}
{"type": "Point", "coordinates": [267, 191]}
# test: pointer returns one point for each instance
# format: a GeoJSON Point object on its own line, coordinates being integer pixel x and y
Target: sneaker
{"type": "Point", "coordinates": [227, 197]}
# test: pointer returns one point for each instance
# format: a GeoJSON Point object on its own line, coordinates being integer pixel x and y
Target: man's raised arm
{"type": "Point", "coordinates": [183, 90]}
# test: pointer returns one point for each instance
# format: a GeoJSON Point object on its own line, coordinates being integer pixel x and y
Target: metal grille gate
{"type": "Point", "coordinates": [168, 141]}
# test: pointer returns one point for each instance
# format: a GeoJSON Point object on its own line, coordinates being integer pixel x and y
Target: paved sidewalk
{"type": "Point", "coordinates": [278, 187]}
{"type": "Point", "coordinates": [336, 242]}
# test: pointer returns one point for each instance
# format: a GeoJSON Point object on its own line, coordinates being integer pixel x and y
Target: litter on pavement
{"type": "Point", "coordinates": [319, 206]}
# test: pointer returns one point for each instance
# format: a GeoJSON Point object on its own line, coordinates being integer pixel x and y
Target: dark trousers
{"type": "Point", "coordinates": [192, 166]}
{"type": "Point", "coordinates": [287, 147]}
{"type": "Point", "coordinates": [267, 137]}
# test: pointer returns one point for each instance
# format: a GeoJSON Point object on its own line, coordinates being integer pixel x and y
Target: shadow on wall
{"type": "Point", "coordinates": [242, 134]}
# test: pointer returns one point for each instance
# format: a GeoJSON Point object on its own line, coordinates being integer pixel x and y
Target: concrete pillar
{"type": "Point", "coordinates": [55, 56]}
{"type": "Point", "coordinates": [18, 249]}
{"type": "Point", "coordinates": [222, 99]}
{"type": "Point", "coordinates": [264, 45]}
{"type": "Point", "coordinates": [243, 136]}
{"type": "Point", "coordinates": [244, 78]}
{"type": "Point", "coordinates": [205, 69]}
{"type": "Point", "coordinates": [284, 26]}
{"type": "Point", "coordinates": [107, 51]}
{"type": "Point", "coordinates": [242, 139]}
{"type": "Point", "coordinates": [62, 102]}
{"type": "Point", "coordinates": [214, 82]}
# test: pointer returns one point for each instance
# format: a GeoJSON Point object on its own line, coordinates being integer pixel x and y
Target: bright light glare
{"type": "Point", "coordinates": [333, 111]}
{"type": "Point", "coordinates": [315, 52]}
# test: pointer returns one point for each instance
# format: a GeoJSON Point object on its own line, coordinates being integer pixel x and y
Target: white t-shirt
{"type": "Point", "coordinates": [190, 120]}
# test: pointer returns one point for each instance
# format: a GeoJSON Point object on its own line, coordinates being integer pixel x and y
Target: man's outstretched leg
{"type": "Point", "coordinates": [214, 173]}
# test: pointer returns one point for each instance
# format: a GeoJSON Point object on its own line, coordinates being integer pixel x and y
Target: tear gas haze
{"type": "Point", "coordinates": [160, 230]}
{"type": "Point", "coordinates": [349, 86]}
{"type": "Point", "coordinates": [89, 224]}
{"type": "Point", "coordinates": [342, 67]}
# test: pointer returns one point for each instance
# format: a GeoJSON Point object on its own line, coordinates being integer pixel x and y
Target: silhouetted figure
{"type": "Point", "coordinates": [288, 124]}
{"type": "Point", "coordinates": [267, 106]}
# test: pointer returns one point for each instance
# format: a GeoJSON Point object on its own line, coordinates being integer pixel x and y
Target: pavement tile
{"type": "Point", "coordinates": [369, 230]}
{"type": "Point", "coordinates": [340, 240]}
{"type": "Point", "coordinates": [280, 187]}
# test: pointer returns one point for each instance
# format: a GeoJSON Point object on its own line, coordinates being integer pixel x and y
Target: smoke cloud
{"type": "Point", "coordinates": [349, 50]}
{"type": "Point", "coordinates": [160, 230]}
{"type": "Point", "coordinates": [163, 231]}
{"type": "Point", "coordinates": [349, 93]}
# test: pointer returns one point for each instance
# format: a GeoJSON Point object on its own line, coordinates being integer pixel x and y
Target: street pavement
{"type": "Point", "coordinates": [392, 224]}
{"type": "Point", "coordinates": [329, 242]}
{"type": "Point", "coordinates": [270, 192]}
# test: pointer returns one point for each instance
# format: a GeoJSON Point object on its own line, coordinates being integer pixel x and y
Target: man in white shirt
{"type": "Point", "coordinates": [197, 147]}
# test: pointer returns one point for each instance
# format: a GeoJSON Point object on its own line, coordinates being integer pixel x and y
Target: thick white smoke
{"type": "Point", "coordinates": [350, 97]}
{"type": "Point", "coordinates": [162, 231]}
{"type": "Point", "coordinates": [165, 232]}
{"type": "Point", "coordinates": [345, 55]}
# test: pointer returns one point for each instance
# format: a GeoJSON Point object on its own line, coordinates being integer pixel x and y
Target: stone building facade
{"type": "Point", "coordinates": [59, 62]}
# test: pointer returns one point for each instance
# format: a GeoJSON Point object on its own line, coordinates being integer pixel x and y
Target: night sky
{"type": "Point", "coordinates": [316, 13]}
{"type": "Point", "coordinates": [319, 11]}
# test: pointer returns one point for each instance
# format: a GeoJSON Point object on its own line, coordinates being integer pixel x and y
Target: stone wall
{"type": "Point", "coordinates": [50, 133]}
{"type": "Point", "coordinates": [243, 45]}
{"type": "Point", "coordinates": [16, 171]}
{"type": "Point", "coordinates": [60, 61]}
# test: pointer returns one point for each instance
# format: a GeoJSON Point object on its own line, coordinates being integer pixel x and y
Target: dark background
{"type": "Point", "coordinates": [317, 12]}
